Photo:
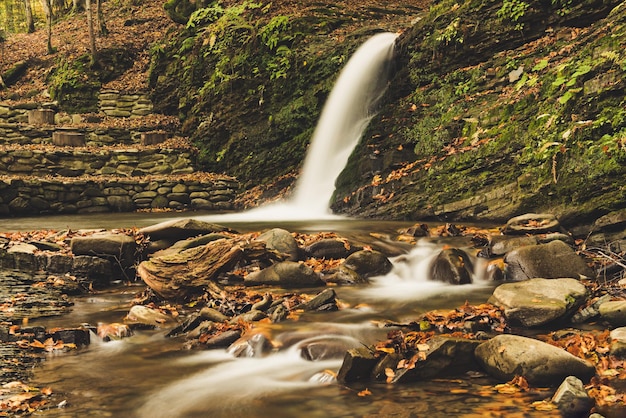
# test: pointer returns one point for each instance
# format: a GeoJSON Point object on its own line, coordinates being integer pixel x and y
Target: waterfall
{"type": "Point", "coordinates": [345, 116]}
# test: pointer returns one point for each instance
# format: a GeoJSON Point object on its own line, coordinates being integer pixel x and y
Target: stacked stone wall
{"type": "Point", "coordinates": [118, 104]}
{"type": "Point", "coordinates": [73, 162]}
{"type": "Point", "coordinates": [27, 197]}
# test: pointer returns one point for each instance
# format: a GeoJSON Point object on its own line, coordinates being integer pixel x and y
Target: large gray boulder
{"type": "Point", "coordinates": [282, 241]}
{"type": "Point", "coordinates": [288, 274]}
{"type": "Point", "coordinates": [537, 302]}
{"type": "Point", "coordinates": [120, 247]}
{"type": "Point", "coordinates": [549, 261]}
{"type": "Point", "coordinates": [507, 356]}
{"type": "Point", "coordinates": [368, 263]}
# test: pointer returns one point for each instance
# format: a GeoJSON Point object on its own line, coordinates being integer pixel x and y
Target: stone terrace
{"type": "Point", "coordinates": [119, 160]}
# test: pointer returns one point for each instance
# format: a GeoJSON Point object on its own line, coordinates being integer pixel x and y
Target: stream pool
{"type": "Point", "coordinates": [149, 375]}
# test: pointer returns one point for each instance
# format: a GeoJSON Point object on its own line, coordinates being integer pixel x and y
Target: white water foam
{"type": "Point", "coordinates": [228, 387]}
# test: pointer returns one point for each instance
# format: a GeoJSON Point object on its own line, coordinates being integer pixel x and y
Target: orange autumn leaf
{"type": "Point", "coordinates": [364, 392]}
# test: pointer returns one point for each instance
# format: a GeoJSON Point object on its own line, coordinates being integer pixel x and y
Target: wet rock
{"type": "Point", "coordinates": [327, 348]}
{"type": "Point", "coordinates": [549, 261]}
{"type": "Point", "coordinates": [120, 247]}
{"type": "Point", "coordinates": [250, 345]}
{"type": "Point", "coordinates": [113, 331]}
{"type": "Point", "coordinates": [442, 356]}
{"type": "Point", "coordinates": [618, 342]}
{"type": "Point", "coordinates": [572, 399]}
{"type": "Point", "coordinates": [502, 244]}
{"type": "Point", "coordinates": [537, 302]}
{"type": "Point", "coordinates": [451, 266]}
{"type": "Point", "coordinates": [323, 301]}
{"type": "Point", "coordinates": [590, 311]}
{"type": "Point", "coordinates": [506, 356]}
{"type": "Point", "coordinates": [96, 269]}
{"type": "Point", "coordinates": [614, 312]}
{"type": "Point", "coordinates": [250, 316]}
{"type": "Point", "coordinates": [417, 230]}
{"type": "Point", "coordinates": [358, 364]}
{"type": "Point", "coordinates": [330, 248]}
{"type": "Point", "coordinates": [287, 274]}
{"type": "Point", "coordinates": [368, 263]}
{"type": "Point", "coordinates": [278, 313]}
{"type": "Point", "coordinates": [176, 230]}
{"type": "Point", "coordinates": [344, 276]}
{"type": "Point", "coordinates": [223, 339]}
{"type": "Point", "coordinates": [144, 315]}
{"type": "Point", "coordinates": [282, 241]}
{"type": "Point", "coordinates": [532, 223]}
{"type": "Point", "coordinates": [78, 336]}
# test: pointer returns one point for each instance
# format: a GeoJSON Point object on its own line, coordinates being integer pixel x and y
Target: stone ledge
{"type": "Point", "coordinates": [36, 196]}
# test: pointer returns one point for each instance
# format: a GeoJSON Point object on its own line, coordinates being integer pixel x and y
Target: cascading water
{"type": "Point", "coordinates": [345, 116]}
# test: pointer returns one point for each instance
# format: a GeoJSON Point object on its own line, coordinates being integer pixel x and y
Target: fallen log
{"type": "Point", "coordinates": [193, 271]}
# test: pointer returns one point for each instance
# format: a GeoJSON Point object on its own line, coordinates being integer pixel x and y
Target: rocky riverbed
{"type": "Point", "coordinates": [554, 320]}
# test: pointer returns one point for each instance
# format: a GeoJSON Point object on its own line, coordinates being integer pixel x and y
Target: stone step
{"type": "Point", "coordinates": [39, 160]}
{"type": "Point", "coordinates": [28, 196]}
{"type": "Point", "coordinates": [95, 135]}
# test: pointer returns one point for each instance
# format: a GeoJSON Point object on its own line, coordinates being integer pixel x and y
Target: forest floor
{"type": "Point", "coordinates": [133, 27]}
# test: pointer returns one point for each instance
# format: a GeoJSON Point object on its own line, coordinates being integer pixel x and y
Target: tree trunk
{"type": "Point", "coordinates": [77, 6]}
{"type": "Point", "coordinates": [47, 8]}
{"type": "Point", "coordinates": [101, 23]}
{"type": "Point", "coordinates": [30, 23]}
{"type": "Point", "coordinates": [92, 35]}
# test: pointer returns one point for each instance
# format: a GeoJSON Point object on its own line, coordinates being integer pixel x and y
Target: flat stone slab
{"type": "Point", "coordinates": [538, 302]}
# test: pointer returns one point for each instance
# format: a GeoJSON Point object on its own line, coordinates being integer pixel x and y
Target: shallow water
{"type": "Point", "coordinates": [148, 375]}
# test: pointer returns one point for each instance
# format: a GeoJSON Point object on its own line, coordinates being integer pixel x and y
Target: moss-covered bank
{"type": "Point", "coordinates": [497, 111]}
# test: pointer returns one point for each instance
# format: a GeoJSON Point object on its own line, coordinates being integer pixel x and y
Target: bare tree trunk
{"type": "Point", "coordinates": [101, 23]}
{"type": "Point", "coordinates": [92, 34]}
{"type": "Point", "coordinates": [77, 5]}
{"type": "Point", "coordinates": [30, 23]}
{"type": "Point", "coordinates": [47, 8]}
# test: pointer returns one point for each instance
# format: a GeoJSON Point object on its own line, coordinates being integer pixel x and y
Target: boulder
{"type": "Point", "coordinates": [289, 274]}
{"type": "Point", "coordinates": [344, 276]}
{"type": "Point", "coordinates": [120, 247]}
{"type": "Point", "coordinates": [178, 229]}
{"type": "Point", "coordinates": [250, 345]}
{"type": "Point", "coordinates": [614, 312]}
{"type": "Point", "coordinates": [451, 266]}
{"type": "Point", "coordinates": [358, 364]}
{"type": "Point", "coordinates": [532, 223]}
{"type": "Point", "coordinates": [330, 248]}
{"type": "Point", "coordinates": [368, 263]}
{"type": "Point", "coordinates": [507, 356]}
{"type": "Point", "coordinates": [440, 356]}
{"type": "Point", "coordinates": [572, 399]}
{"type": "Point", "coordinates": [549, 261]}
{"type": "Point", "coordinates": [282, 241]}
{"type": "Point", "coordinates": [538, 302]}
{"type": "Point", "coordinates": [618, 342]}
{"type": "Point", "coordinates": [144, 315]}
{"type": "Point", "coordinates": [323, 301]}
{"type": "Point", "coordinates": [502, 244]}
